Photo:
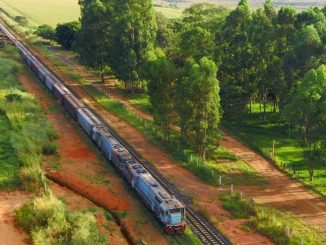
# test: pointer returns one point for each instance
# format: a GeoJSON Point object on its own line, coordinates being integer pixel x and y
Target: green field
{"type": "Point", "coordinates": [260, 134]}
{"type": "Point", "coordinates": [43, 12]}
{"type": "Point", "coordinates": [53, 12]}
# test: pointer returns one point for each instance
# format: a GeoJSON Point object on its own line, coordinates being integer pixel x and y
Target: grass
{"type": "Point", "coordinates": [43, 12]}
{"type": "Point", "coordinates": [171, 13]}
{"type": "Point", "coordinates": [260, 134]}
{"type": "Point", "coordinates": [24, 130]}
{"type": "Point", "coordinates": [281, 227]}
{"type": "Point", "coordinates": [9, 166]}
{"type": "Point", "coordinates": [141, 102]}
{"type": "Point", "coordinates": [49, 222]}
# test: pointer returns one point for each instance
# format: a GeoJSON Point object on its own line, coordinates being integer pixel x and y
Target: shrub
{"type": "Point", "coordinates": [21, 20]}
{"type": "Point", "coordinates": [49, 148]}
{"type": "Point", "coordinates": [49, 222]}
{"type": "Point", "coordinates": [239, 207]}
{"type": "Point", "coordinates": [13, 97]}
{"type": "Point", "coordinates": [52, 133]}
{"type": "Point", "coordinates": [31, 178]}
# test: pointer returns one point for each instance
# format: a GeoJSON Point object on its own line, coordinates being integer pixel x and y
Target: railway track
{"type": "Point", "coordinates": [207, 233]}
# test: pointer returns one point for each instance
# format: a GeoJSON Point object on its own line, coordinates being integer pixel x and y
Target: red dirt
{"type": "Point", "coordinates": [79, 153]}
{"type": "Point", "coordinates": [97, 194]}
{"type": "Point", "coordinates": [89, 168]}
{"type": "Point", "coordinates": [11, 233]}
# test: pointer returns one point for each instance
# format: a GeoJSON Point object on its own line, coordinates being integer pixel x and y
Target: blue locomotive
{"type": "Point", "coordinates": [166, 208]}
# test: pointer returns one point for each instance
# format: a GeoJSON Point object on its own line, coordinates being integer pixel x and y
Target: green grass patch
{"type": "Point", "coordinates": [259, 135]}
{"type": "Point", "coordinates": [141, 102]}
{"type": "Point", "coordinates": [9, 166]}
{"type": "Point", "coordinates": [49, 222]}
{"type": "Point", "coordinates": [281, 227]}
{"type": "Point", "coordinates": [44, 12]}
{"type": "Point", "coordinates": [25, 134]}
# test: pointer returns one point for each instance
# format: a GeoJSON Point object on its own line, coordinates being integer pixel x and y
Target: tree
{"type": "Point", "coordinates": [65, 33]}
{"type": "Point", "coordinates": [236, 69]}
{"type": "Point", "coordinates": [46, 32]}
{"type": "Point", "coordinates": [269, 9]}
{"type": "Point", "coordinates": [21, 20]}
{"type": "Point", "coordinates": [203, 102]}
{"type": "Point", "coordinates": [92, 40]}
{"type": "Point", "coordinates": [164, 34]}
{"type": "Point", "coordinates": [133, 35]}
{"type": "Point", "coordinates": [198, 27]}
{"type": "Point", "coordinates": [161, 89]}
{"type": "Point", "coordinates": [307, 110]}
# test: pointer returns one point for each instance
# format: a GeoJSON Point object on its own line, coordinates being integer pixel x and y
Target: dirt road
{"type": "Point", "coordinates": [11, 234]}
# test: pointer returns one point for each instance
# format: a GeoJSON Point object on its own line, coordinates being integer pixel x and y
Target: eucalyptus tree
{"type": "Point", "coordinates": [132, 36]}
{"type": "Point", "coordinates": [92, 41]}
{"type": "Point", "coordinates": [199, 25]}
{"type": "Point", "coordinates": [237, 59]}
{"type": "Point", "coordinates": [307, 110]}
{"type": "Point", "coordinates": [161, 76]}
{"type": "Point", "coordinates": [200, 111]}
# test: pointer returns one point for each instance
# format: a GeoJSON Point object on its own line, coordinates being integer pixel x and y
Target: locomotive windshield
{"type": "Point", "coordinates": [176, 215]}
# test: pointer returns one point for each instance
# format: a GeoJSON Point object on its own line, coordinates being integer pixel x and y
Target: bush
{"type": "Point", "coordinates": [49, 222]}
{"type": "Point", "coordinates": [49, 148]}
{"type": "Point", "coordinates": [31, 178]}
{"type": "Point", "coordinates": [239, 207]}
{"type": "Point", "coordinates": [21, 20]}
{"type": "Point", "coordinates": [52, 133]}
{"type": "Point", "coordinates": [46, 32]}
{"type": "Point", "coordinates": [13, 97]}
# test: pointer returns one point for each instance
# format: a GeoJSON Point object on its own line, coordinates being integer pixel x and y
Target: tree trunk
{"type": "Point", "coordinates": [250, 108]}
{"type": "Point", "coordinates": [265, 102]}
{"type": "Point", "coordinates": [311, 173]}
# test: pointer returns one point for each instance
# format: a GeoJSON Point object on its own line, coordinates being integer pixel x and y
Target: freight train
{"type": "Point", "coordinates": [169, 211]}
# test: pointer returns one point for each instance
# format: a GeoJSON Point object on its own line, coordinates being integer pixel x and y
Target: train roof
{"type": "Point", "coordinates": [74, 101]}
{"type": "Point", "coordinates": [59, 86]}
{"type": "Point", "coordinates": [90, 115]}
{"type": "Point", "coordinates": [167, 200]}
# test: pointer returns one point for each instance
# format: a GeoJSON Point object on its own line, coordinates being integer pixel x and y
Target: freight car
{"type": "Point", "coordinates": [167, 209]}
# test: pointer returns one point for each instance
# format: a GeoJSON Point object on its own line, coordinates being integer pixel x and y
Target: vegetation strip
{"type": "Point", "coordinates": [281, 227]}
{"type": "Point", "coordinates": [31, 137]}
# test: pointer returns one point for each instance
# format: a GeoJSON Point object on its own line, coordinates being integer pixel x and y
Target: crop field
{"type": "Point", "coordinates": [54, 12]}
{"type": "Point", "coordinates": [43, 12]}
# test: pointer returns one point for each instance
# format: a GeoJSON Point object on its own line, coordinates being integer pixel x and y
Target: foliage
{"type": "Point", "coordinates": [133, 35]}
{"type": "Point", "coordinates": [308, 111]}
{"type": "Point", "coordinates": [21, 20]}
{"type": "Point", "coordinates": [49, 222]}
{"type": "Point", "coordinates": [46, 32]}
{"type": "Point", "coordinates": [199, 104]}
{"type": "Point", "coordinates": [161, 89]}
{"type": "Point", "coordinates": [92, 40]}
{"type": "Point", "coordinates": [65, 33]}
{"type": "Point", "coordinates": [273, 223]}
{"type": "Point", "coordinates": [25, 129]}
{"type": "Point", "coordinates": [239, 207]}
